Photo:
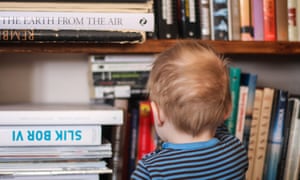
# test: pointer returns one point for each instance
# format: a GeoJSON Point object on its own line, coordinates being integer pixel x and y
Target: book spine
{"type": "Point", "coordinates": [276, 135]}
{"type": "Point", "coordinates": [235, 77]}
{"type": "Point", "coordinates": [79, 21]}
{"type": "Point", "coordinates": [245, 20]}
{"type": "Point", "coordinates": [240, 124]}
{"type": "Point", "coordinates": [292, 20]}
{"type": "Point", "coordinates": [166, 19]}
{"type": "Point", "coordinates": [73, 36]}
{"type": "Point", "coordinates": [263, 132]}
{"type": "Point", "coordinates": [204, 11]}
{"type": "Point", "coordinates": [257, 19]}
{"type": "Point", "coordinates": [293, 151]}
{"type": "Point", "coordinates": [145, 141]}
{"type": "Point", "coordinates": [219, 20]}
{"type": "Point", "coordinates": [192, 22]}
{"type": "Point", "coordinates": [254, 132]}
{"type": "Point", "coordinates": [269, 20]}
{"type": "Point", "coordinates": [107, 117]}
{"type": "Point", "coordinates": [235, 19]}
{"type": "Point", "coordinates": [50, 135]}
{"type": "Point", "coordinates": [281, 20]}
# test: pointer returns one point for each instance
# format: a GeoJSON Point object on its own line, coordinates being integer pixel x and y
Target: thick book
{"type": "Point", "coordinates": [281, 13]}
{"type": "Point", "coordinates": [257, 19]}
{"type": "Point", "coordinates": [269, 15]}
{"type": "Point", "coordinates": [118, 76]}
{"type": "Point", "coordinates": [235, 15]}
{"type": "Point", "coordinates": [54, 153]}
{"type": "Point", "coordinates": [219, 20]}
{"type": "Point", "coordinates": [276, 134]}
{"type": "Point", "coordinates": [292, 20]}
{"type": "Point", "coordinates": [166, 12]}
{"type": "Point", "coordinates": [59, 114]}
{"type": "Point", "coordinates": [263, 131]}
{"type": "Point", "coordinates": [249, 80]}
{"type": "Point", "coordinates": [245, 20]}
{"type": "Point", "coordinates": [205, 26]}
{"type": "Point", "coordinates": [57, 177]}
{"type": "Point", "coordinates": [189, 19]}
{"type": "Point", "coordinates": [293, 150]}
{"type": "Point", "coordinates": [51, 135]}
{"type": "Point", "coordinates": [235, 80]}
{"type": "Point", "coordinates": [146, 134]}
{"type": "Point", "coordinates": [254, 131]}
{"type": "Point", "coordinates": [70, 36]}
{"type": "Point", "coordinates": [54, 168]}
{"type": "Point", "coordinates": [63, 6]}
{"type": "Point", "coordinates": [62, 20]}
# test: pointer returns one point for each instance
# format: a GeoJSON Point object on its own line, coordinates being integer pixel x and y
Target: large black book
{"type": "Point", "coordinates": [70, 36]}
{"type": "Point", "coordinates": [166, 19]}
{"type": "Point", "coordinates": [189, 19]}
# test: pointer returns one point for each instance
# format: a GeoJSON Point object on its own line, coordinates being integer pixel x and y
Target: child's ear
{"type": "Point", "coordinates": [156, 113]}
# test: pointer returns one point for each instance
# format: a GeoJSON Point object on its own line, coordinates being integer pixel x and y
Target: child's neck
{"type": "Point", "coordinates": [180, 137]}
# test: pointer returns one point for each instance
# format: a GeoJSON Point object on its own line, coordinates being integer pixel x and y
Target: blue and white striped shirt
{"type": "Point", "coordinates": [222, 157]}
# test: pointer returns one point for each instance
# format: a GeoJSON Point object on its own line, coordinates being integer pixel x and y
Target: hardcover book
{"type": "Point", "coordinates": [241, 116]}
{"type": "Point", "coordinates": [276, 134]}
{"type": "Point", "coordinates": [70, 36]}
{"type": "Point", "coordinates": [257, 19]}
{"type": "Point", "coordinates": [293, 150]}
{"type": "Point", "coordinates": [166, 12]}
{"type": "Point", "coordinates": [281, 13]}
{"type": "Point", "coordinates": [205, 19]}
{"type": "Point", "coordinates": [62, 20]}
{"type": "Point", "coordinates": [59, 114]}
{"type": "Point", "coordinates": [219, 20]}
{"type": "Point", "coordinates": [50, 135]}
{"type": "Point", "coordinates": [292, 20]}
{"type": "Point", "coordinates": [235, 79]}
{"type": "Point", "coordinates": [245, 19]}
{"type": "Point", "coordinates": [254, 131]}
{"type": "Point", "coordinates": [263, 131]}
{"type": "Point", "coordinates": [269, 11]}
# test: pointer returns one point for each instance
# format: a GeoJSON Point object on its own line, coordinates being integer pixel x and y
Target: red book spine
{"type": "Point", "coordinates": [145, 132]}
{"type": "Point", "coordinates": [269, 20]}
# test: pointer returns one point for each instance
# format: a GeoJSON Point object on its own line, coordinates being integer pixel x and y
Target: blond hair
{"type": "Point", "coordinates": [190, 83]}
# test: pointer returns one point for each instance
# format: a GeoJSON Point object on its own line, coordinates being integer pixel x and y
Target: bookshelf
{"type": "Point", "coordinates": [155, 46]}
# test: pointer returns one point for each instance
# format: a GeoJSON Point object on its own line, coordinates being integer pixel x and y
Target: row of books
{"type": "Point", "coordinates": [68, 21]}
{"type": "Point", "coordinates": [55, 141]}
{"type": "Point", "coordinates": [265, 119]}
{"type": "Point", "coordinates": [132, 22]}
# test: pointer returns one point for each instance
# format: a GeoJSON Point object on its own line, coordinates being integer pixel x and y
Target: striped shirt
{"type": "Point", "coordinates": [222, 157]}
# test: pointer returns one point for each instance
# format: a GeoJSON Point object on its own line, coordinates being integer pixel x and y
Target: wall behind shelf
{"type": "Point", "coordinates": [49, 78]}
{"type": "Point", "coordinates": [60, 78]}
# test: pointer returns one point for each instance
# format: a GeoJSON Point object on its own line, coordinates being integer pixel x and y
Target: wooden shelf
{"type": "Point", "coordinates": [152, 46]}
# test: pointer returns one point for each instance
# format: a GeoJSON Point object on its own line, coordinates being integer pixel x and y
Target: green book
{"type": "Point", "coordinates": [235, 80]}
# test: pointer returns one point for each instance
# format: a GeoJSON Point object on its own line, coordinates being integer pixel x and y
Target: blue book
{"type": "Point", "coordinates": [249, 80]}
{"type": "Point", "coordinates": [235, 77]}
{"type": "Point", "coordinates": [276, 134]}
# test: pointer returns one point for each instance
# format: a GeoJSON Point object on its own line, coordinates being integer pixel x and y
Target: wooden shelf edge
{"type": "Point", "coordinates": [153, 46]}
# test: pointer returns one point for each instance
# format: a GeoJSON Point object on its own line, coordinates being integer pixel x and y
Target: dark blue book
{"type": "Point", "coordinates": [276, 134]}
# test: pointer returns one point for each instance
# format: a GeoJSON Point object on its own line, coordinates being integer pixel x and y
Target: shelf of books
{"type": "Point", "coordinates": [153, 46]}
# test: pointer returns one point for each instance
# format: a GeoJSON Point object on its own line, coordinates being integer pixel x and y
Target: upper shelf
{"type": "Point", "coordinates": [152, 46]}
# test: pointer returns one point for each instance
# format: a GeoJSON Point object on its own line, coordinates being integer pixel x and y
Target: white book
{"type": "Point", "coordinates": [122, 58]}
{"type": "Point", "coordinates": [54, 168]}
{"type": "Point", "coordinates": [60, 114]}
{"type": "Point", "coordinates": [65, 135]}
{"type": "Point", "coordinates": [56, 177]}
{"type": "Point", "coordinates": [292, 165]}
{"type": "Point", "coordinates": [121, 66]}
{"type": "Point", "coordinates": [77, 20]}
{"type": "Point", "coordinates": [243, 97]}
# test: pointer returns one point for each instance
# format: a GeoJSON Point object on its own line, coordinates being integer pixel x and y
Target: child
{"type": "Point", "coordinates": [190, 97]}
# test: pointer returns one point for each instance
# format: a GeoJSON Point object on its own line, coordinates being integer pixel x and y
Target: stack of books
{"type": "Point", "coordinates": [73, 21]}
{"type": "Point", "coordinates": [55, 141]}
